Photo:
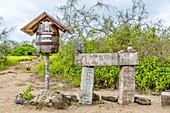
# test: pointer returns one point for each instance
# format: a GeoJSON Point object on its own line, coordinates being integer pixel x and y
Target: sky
{"type": "Point", "coordinates": [18, 13]}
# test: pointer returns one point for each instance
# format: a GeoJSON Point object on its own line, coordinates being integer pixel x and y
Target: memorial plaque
{"type": "Point", "coordinates": [86, 87]}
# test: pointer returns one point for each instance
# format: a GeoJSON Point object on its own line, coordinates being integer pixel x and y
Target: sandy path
{"type": "Point", "coordinates": [12, 82]}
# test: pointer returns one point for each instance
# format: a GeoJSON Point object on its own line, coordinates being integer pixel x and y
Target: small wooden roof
{"type": "Point", "coordinates": [32, 27]}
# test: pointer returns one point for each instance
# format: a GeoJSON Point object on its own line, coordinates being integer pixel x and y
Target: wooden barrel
{"type": "Point", "coordinates": [47, 42]}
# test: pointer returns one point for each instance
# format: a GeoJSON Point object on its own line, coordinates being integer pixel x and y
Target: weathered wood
{"type": "Point", "coordinates": [47, 70]}
{"type": "Point", "coordinates": [128, 59]}
{"type": "Point", "coordinates": [47, 42]}
{"type": "Point", "coordinates": [86, 87]}
{"type": "Point", "coordinates": [30, 28]}
{"type": "Point", "coordinates": [96, 59]}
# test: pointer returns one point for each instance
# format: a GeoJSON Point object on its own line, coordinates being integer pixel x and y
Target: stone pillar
{"type": "Point", "coordinates": [165, 98]}
{"type": "Point", "coordinates": [126, 90]}
{"type": "Point", "coordinates": [86, 86]}
{"type": "Point", "coordinates": [87, 79]}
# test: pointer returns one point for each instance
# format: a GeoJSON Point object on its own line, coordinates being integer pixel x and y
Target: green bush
{"type": "Point", "coordinates": [13, 60]}
{"type": "Point", "coordinates": [153, 75]}
{"type": "Point", "coordinates": [2, 67]}
{"type": "Point", "coordinates": [27, 93]}
{"type": "Point", "coordinates": [23, 50]}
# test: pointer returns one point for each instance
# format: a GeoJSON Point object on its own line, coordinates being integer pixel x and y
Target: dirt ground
{"type": "Point", "coordinates": [13, 81]}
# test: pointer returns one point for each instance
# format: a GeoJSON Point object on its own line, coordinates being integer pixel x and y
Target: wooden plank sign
{"type": "Point", "coordinates": [96, 59]}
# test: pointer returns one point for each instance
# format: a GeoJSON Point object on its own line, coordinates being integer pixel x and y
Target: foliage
{"type": "Point", "coordinates": [153, 75]}
{"type": "Point", "coordinates": [13, 60]}
{"type": "Point", "coordinates": [23, 50]}
{"type": "Point", "coordinates": [5, 44]}
{"type": "Point", "coordinates": [2, 67]}
{"type": "Point", "coordinates": [27, 93]}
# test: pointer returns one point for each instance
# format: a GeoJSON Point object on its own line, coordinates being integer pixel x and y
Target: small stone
{"type": "Point", "coordinates": [142, 101]}
{"type": "Point", "coordinates": [109, 98]}
{"type": "Point", "coordinates": [95, 97]}
{"type": "Point", "coordinates": [155, 93]}
{"type": "Point", "coordinates": [19, 99]}
{"type": "Point", "coordinates": [72, 98]}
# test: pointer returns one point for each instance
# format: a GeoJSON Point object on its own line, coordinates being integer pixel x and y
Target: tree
{"type": "Point", "coordinates": [5, 43]}
{"type": "Point", "coordinates": [120, 27]}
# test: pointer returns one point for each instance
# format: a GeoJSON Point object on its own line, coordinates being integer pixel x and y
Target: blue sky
{"type": "Point", "coordinates": [17, 13]}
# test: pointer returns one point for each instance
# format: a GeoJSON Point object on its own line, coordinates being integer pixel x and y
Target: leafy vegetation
{"type": "Point", "coordinates": [13, 60]}
{"type": "Point", "coordinates": [27, 93]}
{"type": "Point", "coordinates": [23, 50]}
{"type": "Point", "coordinates": [153, 75]}
{"type": "Point", "coordinates": [5, 44]}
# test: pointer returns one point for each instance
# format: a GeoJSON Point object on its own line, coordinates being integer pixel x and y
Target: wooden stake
{"type": "Point", "coordinates": [47, 72]}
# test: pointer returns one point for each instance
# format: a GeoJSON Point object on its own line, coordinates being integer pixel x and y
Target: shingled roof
{"type": "Point", "coordinates": [31, 28]}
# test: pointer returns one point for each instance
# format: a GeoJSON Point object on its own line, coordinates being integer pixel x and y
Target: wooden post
{"type": "Point", "coordinates": [47, 75]}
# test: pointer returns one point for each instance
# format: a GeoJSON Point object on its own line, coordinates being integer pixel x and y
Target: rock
{"type": "Point", "coordinates": [72, 98]}
{"type": "Point", "coordinates": [165, 98]}
{"type": "Point", "coordinates": [142, 101]}
{"type": "Point", "coordinates": [109, 98]}
{"type": "Point", "coordinates": [95, 97]}
{"type": "Point", "coordinates": [19, 99]}
{"type": "Point", "coordinates": [155, 93]}
{"type": "Point", "coordinates": [53, 99]}
{"type": "Point", "coordinates": [99, 83]}
{"type": "Point", "coordinates": [97, 102]}
{"type": "Point", "coordinates": [60, 102]}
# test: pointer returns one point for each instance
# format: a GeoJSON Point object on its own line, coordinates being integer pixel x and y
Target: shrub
{"type": "Point", "coordinates": [23, 50]}
{"type": "Point", "coordinates": [152, 75]}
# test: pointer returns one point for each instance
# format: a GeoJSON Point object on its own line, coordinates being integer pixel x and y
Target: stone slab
{"type": "Point", "coordinates": [128, 59]}
{"type": "Point", "coordinates": [86, 87]}
{"type": "Point", "coordinates": [106, 59]}
{"type": "Point", "coordinates": [165, 98]}
{"type": "Point", "coordinates": [96, 59]}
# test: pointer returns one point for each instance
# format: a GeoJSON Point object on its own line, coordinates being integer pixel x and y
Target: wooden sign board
{"type": "Point", "coordinates": [96, 59]}
{"type": "Point", "coordinates": [106, 59]}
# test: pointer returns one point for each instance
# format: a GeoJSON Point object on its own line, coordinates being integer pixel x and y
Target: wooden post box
{"type": "Point", "coordinates": [47, 33]}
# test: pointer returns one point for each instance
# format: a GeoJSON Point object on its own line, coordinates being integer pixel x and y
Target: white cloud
{"type": "Point", "coordinates": [20, 12]}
